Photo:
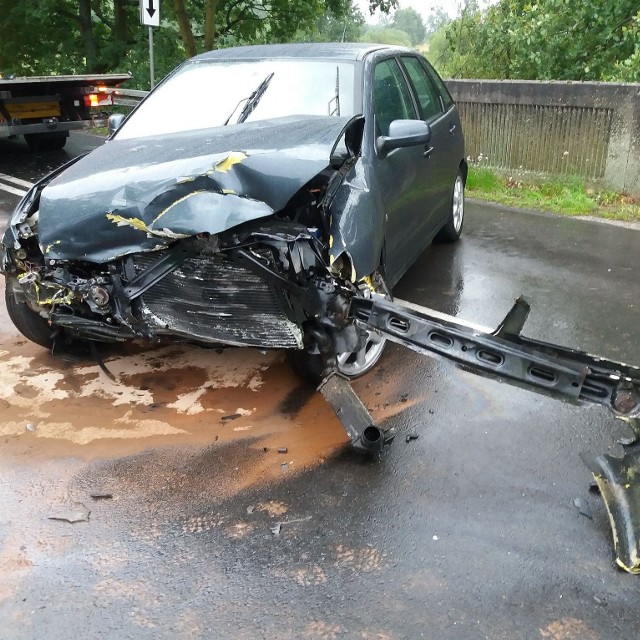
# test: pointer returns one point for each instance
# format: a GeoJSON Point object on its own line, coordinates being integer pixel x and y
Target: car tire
{"type": "Point", "coordinates": [53, 141]}
{"type": "Point", "coordinates": [453, 227]}
{"type": "Point", "coordinates": [29, 323]}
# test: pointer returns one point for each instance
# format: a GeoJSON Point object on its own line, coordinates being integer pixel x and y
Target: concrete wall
{"type": "Point", "coordinates": [590, 129]}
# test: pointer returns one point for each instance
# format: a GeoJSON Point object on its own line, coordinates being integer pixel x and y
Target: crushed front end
{"type": "Point", "coordinates": [215, 257]}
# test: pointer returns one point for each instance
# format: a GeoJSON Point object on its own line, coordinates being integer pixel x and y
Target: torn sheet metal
{"type": "Point", "coordinates": [143, 193]}
{"type": "Point", "coordinates": [357, 220]}
{"type": "Point", "coordinates": [619, 482]}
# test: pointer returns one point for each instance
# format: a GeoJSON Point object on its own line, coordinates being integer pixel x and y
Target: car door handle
{"type": "Point", "coordinates": [452, 128]}
{"type": "Point", "coordinates": [427, 153]}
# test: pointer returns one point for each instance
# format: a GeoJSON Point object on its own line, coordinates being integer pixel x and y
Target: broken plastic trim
{"type": "Point", "coordinates": [618, 480]}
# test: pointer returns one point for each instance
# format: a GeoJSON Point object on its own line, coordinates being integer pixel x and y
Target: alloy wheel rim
{"type": "Point", "coordinates": [359, 362]}
{"type": "Point", "coordinates": [458, 204]}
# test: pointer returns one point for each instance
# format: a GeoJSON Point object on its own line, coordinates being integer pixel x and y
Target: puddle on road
{"type": "Point", "coordinates": [165, 396]}
{"type": "Point", "coordinates": [176, 395]}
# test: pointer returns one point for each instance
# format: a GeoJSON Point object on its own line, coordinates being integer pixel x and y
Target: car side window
{"type": "Point", "coordinates": [447, 100]}
{"type": "Point", "coordinates": [428, 98]}
{"type": "Point", "coordinates": [392, 100]}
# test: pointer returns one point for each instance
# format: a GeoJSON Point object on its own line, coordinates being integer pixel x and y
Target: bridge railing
{"type": "Point", "coordinates": [586, 129]}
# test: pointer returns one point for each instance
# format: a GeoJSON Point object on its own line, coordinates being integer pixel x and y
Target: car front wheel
{"type": "Point", "coordinates": [351, 364]}
{"type": "Point", "coordinates": [29, 323]}
{"type": "Point", "coordinates": [453, 228]}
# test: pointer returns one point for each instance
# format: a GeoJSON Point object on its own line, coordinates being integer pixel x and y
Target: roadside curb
{"type": "Point", "coordinates": [635, 226]}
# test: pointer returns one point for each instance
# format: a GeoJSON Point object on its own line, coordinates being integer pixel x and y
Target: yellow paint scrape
{"type": "Point", "coordinates": [140, 225]}
{"type": "Point", "coordinates": [235, 157]}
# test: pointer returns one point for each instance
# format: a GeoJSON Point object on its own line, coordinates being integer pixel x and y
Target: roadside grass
{"type": "Point", "coordinates": [569, 196]}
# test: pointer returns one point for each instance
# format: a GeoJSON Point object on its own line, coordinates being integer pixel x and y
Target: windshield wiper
{"type": "Point", "coordinates": [252, 101]}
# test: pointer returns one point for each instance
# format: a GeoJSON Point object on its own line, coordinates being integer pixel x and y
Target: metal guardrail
{"type": "Point", "coordinates": [127, 97]}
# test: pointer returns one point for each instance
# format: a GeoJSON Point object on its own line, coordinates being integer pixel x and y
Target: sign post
{"type": "Point", "coordinates": [150, 17]}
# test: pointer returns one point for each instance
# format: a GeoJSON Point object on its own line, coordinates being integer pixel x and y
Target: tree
{"type": "Point", "coordinates": [548, 39]}
{"type": "Point", "coordinates": [72, 36]}
{"type": "Point", "coordinates": [438, 18]}
{"type": "Point", "coordinates": [410, 21]}
{"type": "Point", "coordinates": [345, 24]}
{"type": "Point", "coordinates": [386, 35]}
{"type": "Point", "coordinates": [75, 36]}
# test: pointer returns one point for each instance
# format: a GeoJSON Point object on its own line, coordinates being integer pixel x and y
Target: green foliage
{"type": "Point", "coordinates": [76, 36]}
{"type": "Point", "coordinates": [386, 35]}
{"type": "Point", "coordinates": [543, 40]}
{"type": "Point", "coordinates": [344, 23]}
{"type": "Point", "coordinates": [569, 196]}
{"type": "Point", "coordinates": [628, 69]}
{"type": "Point", "coordinates": [410, 21]}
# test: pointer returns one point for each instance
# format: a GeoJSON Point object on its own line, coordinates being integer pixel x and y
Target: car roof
{"type": "Point", "coordinates": [311, 50]}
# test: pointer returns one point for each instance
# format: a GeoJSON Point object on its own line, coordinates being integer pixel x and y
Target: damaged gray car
{"type": "Point", "coordinates": [271, 196]}
{"type": "Point", "coordinates": [244, 202]}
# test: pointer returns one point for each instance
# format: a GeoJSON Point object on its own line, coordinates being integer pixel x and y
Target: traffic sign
{"type": "Point", "coordinates": [150, 13]}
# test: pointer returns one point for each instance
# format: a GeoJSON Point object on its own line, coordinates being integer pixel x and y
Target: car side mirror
{"type": "Point", "coordinates": [115, 121]}
{"type": "Point", "coordinates": [403, 133]}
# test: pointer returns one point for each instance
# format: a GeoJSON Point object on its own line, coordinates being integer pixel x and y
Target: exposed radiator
{"type": "Point", "coordinates": [214, 300]}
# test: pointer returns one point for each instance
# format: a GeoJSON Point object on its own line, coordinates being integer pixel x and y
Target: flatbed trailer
{"type": "Point", "coordinates": [44, 109]}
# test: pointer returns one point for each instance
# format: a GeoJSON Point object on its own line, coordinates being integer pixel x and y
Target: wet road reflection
{"type": "Point", "coordinates": [467, 532]}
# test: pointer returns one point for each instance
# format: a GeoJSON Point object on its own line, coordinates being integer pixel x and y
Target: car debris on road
{"type": "Point", "coordinates": [284, 223]}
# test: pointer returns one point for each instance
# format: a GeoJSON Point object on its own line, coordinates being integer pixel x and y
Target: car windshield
{"type": "Point", "coordinates": [210, 94]}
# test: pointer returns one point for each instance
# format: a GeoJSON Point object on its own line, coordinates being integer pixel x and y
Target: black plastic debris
{"type": "Point", "coordinates": [411, 436]}
{"type": "Point", "coordinates": [101, 495]}
{"type": "Point", "coordinates": [233, 416]}
{"type": "Point", "coordinates": [620, 490]}
{"type": "Point", "coordinates": [283, 450]}
{"type": "Point", "coordinates": [583, 507]}
{"type": "Point", "coordinates": [74, 512]}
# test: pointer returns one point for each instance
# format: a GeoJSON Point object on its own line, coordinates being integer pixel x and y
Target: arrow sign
{"type": "Point", "coordinates": [150, 13]}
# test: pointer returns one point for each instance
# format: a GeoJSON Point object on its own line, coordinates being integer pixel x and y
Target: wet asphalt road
{"type": "Point", "coordinates": [467, 532]}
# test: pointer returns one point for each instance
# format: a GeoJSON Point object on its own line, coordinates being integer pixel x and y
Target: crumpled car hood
{"type": "Point", "coordinates": [142, 194]}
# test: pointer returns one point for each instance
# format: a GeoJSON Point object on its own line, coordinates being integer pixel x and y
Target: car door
{"type": "Point", "coordinates": [400, 174]}
{"type": "Point", "coordinates": [442, 162]}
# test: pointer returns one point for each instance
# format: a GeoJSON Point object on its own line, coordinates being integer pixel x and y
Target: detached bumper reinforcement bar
{"type": "Point", "coordinates": [573, 375]}
{"type": "Point", "coordinates": [504, 354]}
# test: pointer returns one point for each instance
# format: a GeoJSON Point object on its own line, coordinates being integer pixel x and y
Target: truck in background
{"type": "Point", "coordinates": [45, 108]}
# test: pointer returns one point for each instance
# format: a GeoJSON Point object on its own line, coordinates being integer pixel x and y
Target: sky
{"type": "Point", "coordinates": [423, 7]}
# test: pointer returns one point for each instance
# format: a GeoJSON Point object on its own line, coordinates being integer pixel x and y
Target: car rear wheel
{"type": "Point", "coordinates": [453, 228]}
{"type": "Point", "coordinates": [29, 323]}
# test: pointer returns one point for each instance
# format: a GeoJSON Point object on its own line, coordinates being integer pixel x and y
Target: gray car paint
{"type": "Point", "coordinates": [142, 194]}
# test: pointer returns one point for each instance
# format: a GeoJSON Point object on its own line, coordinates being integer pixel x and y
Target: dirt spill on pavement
{"type": "Point", "coordinates": [181, 426]}
{"type": "Point", "coordinates": [53, 406]}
